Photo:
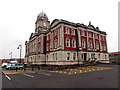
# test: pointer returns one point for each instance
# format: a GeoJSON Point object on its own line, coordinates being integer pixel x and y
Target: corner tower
{"type": "Point", "coordinates": [42, 23]}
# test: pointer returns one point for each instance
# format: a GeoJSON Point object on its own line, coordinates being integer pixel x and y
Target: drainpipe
{"type": "Point", "coordinates": [77, 44]}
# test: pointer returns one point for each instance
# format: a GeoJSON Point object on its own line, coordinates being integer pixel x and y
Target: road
{"type": "Point", "coordinates": [107, 78]}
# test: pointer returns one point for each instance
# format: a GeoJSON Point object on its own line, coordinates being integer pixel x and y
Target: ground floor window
{"type": "Point", "coordinates": [56, 56]}
{"type": "Point", "coordinates": [93, 56]}
{"type": "Point", "coordinates": [47, 57]}
{"type": "Point", "coordinates": [53, 56]}
{"type": "Point", "coordinates": [68, 56]}
{"type": "Point", "coordinates": [84, 56]}
{"type": "Point", "coordinates": [99, 56]}
{"type": "Point", "coordinates": [35, 58]}
{"type": "Point", "coordinates": [105, 57]}
{"type": "Point", "coordinates": [74, 56]}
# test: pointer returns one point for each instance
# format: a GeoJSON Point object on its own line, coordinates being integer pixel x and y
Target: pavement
{"type": "Point", "coordinates": [77, 70]}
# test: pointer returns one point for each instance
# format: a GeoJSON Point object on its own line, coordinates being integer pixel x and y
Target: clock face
{"type": "Point", "coordinates": [44, 24]}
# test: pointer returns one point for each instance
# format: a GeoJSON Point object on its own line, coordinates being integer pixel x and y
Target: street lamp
{"type": "Point", "coordinates": [11, 55]}
{"type": "Point", "coordinates": [20, 47]}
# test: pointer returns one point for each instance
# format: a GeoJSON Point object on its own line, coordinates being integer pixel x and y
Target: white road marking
{"type": "Point", "coordinates": [7, 77]}
{"type": "Point", "coordinates": [28, 75]}
{"type": "Point", "coordinates": [47, 74]}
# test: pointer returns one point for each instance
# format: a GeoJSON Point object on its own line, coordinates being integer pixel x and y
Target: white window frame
{"type": "Point", "coordinates": [90, 44]}
{"type": "Point", "coordinates": [53, 57]}
{"type": "Point", "coordinates": [56, 56]}
{"type": "Point", "coordinates": [56, 43]}
{"type": "Point", "coordinates": [68, 56]}
{"type": "Point", "coordinates": [67, 30]}
{"type": "Point", "coordinates": [73, 43]}
{"type": "Point", "coordinates": [83, 32]}
{"type": "Point", "coordinates": [47, 57]}
{"type": "Point", "coordinates": [67, 42]}
{"type": "Point", "coordinates": [83, 44]}
{"type": "Point", "coordinates": [97, 45]}
{"type": "Point", "coordinates": [74, 56]}
{"type": "Point", "coordinates": [73, 31]}
{"type": "Point", "coordinates": [90, 34]}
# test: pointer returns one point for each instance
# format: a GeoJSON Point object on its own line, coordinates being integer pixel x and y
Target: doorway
{"type": "Point", "coordinates": [84, 56]}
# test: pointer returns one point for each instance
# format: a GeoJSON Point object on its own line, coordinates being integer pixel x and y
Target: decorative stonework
{"type": "Point", "coordinates": [49, 43]}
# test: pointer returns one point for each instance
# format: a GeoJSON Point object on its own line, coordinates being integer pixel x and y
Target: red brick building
{"type": "Point", "coordinates": [65, 43]}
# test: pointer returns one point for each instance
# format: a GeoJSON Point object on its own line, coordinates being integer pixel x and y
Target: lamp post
{"type": "Point", "coordinates": [11, 55]}
{"type": "Point", "coordinates": [20, 47]}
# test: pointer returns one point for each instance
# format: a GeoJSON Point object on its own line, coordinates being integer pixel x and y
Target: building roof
{"type": "Point", "coordinates": [42, 14]}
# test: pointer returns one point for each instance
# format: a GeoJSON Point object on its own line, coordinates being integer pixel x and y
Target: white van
{"type": "Point", "coordinates": [4, 65]}
{"type": "Point", "coordinates": [13, 62]}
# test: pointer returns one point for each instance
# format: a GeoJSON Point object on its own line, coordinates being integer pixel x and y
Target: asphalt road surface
{"type": "Point", "coordinates": [43, 79]}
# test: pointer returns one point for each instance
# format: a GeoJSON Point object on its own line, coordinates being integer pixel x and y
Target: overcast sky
{"type": "Point", "coordinates": [17, 19]}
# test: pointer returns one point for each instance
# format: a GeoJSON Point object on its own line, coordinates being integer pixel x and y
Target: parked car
{"type": "Point", "coordinates": [4, 65]}
{"type": "Point", "coordinates": [14, 66]}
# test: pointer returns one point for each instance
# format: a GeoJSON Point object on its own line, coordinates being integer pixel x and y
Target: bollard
{"type": "Point", "coordinates": [32, 69]}
{"type": "Point", "coordinates": [24, 68]}
{"type": "Point", "coordinates": [16, 69]}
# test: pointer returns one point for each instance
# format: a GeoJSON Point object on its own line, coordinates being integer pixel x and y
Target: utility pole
{"type": "Point", "coordinates": [20, 47]}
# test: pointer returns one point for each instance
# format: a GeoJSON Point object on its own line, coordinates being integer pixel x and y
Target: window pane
{"type": "Point", "coordinates": [56, 56]}
{"type": "Point", "coordinates": [74, 56]}
{"type": "Point", "coordinates": [68, 56]}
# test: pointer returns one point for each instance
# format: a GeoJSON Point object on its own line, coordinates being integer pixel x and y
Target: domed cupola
{"type": "Point", "coordinates": [42, 15]}
{"type": "Point", "coordinates": [42, 22]}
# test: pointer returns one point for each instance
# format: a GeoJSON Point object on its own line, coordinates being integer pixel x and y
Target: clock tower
{"type": "Point", "coordinates": [42, 23]}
